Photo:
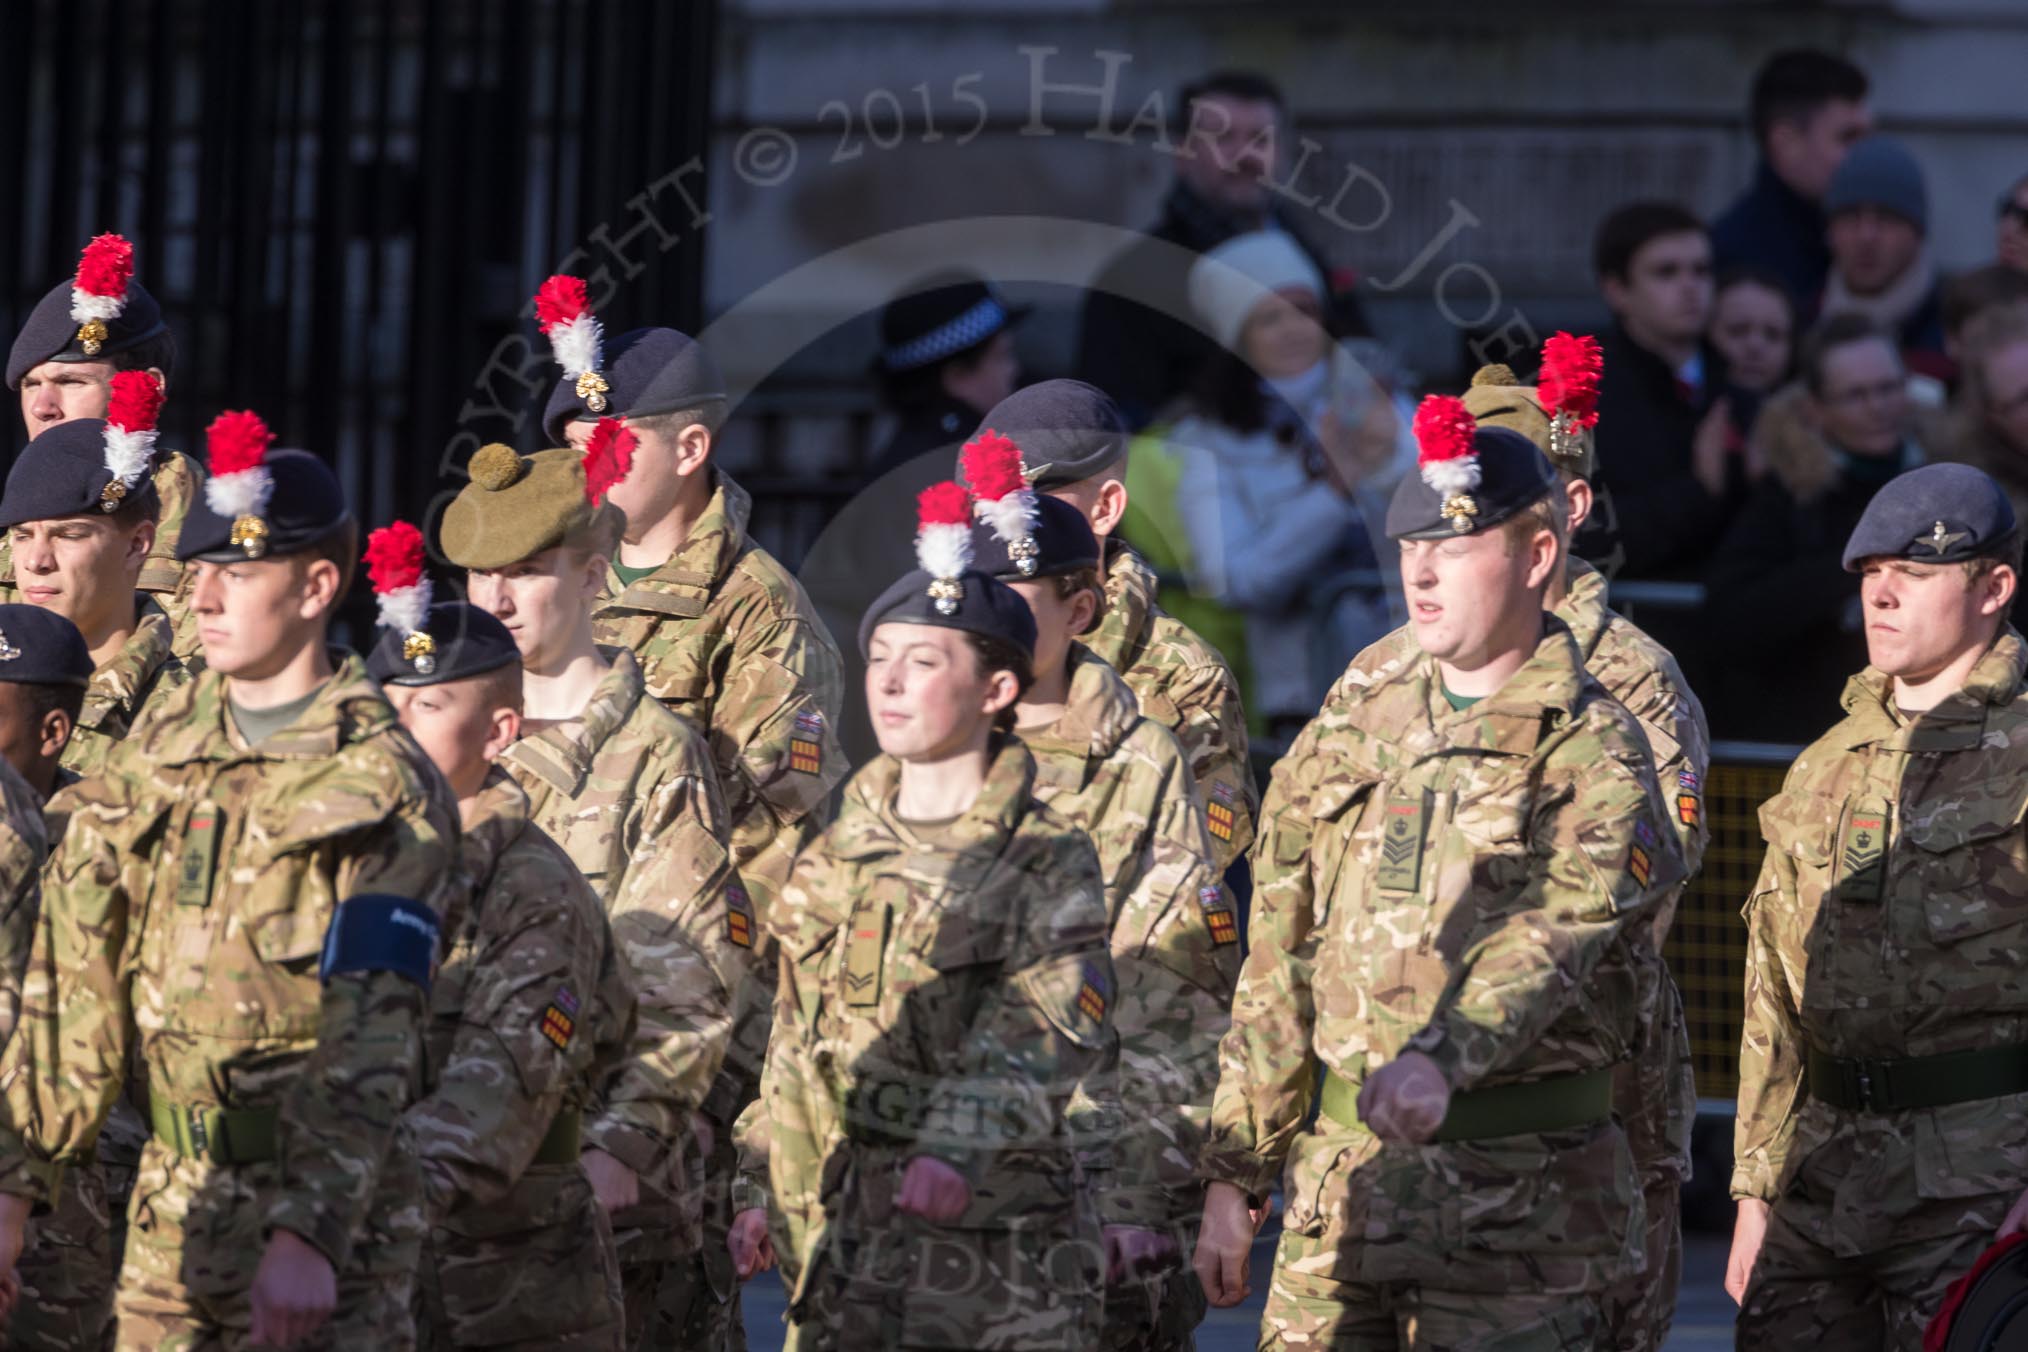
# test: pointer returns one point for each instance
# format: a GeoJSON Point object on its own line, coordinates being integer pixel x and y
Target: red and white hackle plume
{"type": "Point", "coordinates": [1445, 457]}
{"type": "Point", "coordinates": [131, 413]}
{"type": "Point", "coordinates": [401, 590]}
{"type": "Point", "coordinates": [1568, 389]}
{"type": "Point", "coordinates": [1001, 495]}
{"type": "Point", "coordinates": [943, 541]}
{"type": "Point", "coordinates": [608, 457]}
{"type": "Point", "coordinates": [99, 291]}
{"type": "Point", "coordinates": [240, 482]}
{"type": "Point", "coordinates": [563, 312]}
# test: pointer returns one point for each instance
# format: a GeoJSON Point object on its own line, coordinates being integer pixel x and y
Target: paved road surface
{"type": "Point", "coordinates": [1703, 1314]}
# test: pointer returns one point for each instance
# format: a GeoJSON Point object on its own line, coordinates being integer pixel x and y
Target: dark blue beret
{"type": "Point", "coordinates": [1514, 475]}
{"type": "Point", "coordinates": [63, 473]}
{"type": "Point", "coordinates": [1068, 431]}
{"type": "Point", "coordinates": [1063, 539]}
{"type": "Point", "coordinates": [1935, 514]}
{"type": "Point", "coordinates": [647, 371]}
{"type": "Point", "coordinates": [41, 647]}
{"type": "Point", "coordinates": [51, 334]}
{"type": "Point", "coordinates": [305, 508]}
{"type": "Point", "coordinates": [988, 607]}
{"type": "Point", "coordinates": [465, 641]}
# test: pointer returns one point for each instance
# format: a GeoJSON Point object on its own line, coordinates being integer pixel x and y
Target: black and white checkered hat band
{"type": "Point", "coordinates": [969, 329]}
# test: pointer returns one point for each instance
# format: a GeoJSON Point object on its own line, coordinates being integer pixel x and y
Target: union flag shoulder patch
{"type": "Point", "coordinates": [558, 1024]}
{"type": "Point", "coordinates": [806, 743]}
{"type": "Point", "coordinates": [1091, 996]}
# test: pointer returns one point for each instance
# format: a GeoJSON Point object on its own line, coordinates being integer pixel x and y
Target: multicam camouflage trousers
{"type": "Point", "coordinates": [196, 1235]}
{"type": "Point", "coordinates": [72, 1262]}
{"type": "Point", "coordinates": [1310, 1310]}
{"type": "Point", "coordinates": [535, 1271]}
{"type": "Point", "coordinates": [1656, 1096]}
{"type": "Point", "coordinates": [1875, 1224]}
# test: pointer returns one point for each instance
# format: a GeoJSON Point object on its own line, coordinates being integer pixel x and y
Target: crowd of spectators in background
{"type": "Point", "coordinates": [1765, 372]}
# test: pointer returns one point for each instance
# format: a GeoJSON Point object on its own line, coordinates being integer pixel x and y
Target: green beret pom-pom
{"type": "Point", "coordinates": [495, 466]}
{"type": "Point", "coordinates": [1496, 374]}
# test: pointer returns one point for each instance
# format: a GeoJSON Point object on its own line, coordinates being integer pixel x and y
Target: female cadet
{"type": "Point", "coordinates": [945, 988]}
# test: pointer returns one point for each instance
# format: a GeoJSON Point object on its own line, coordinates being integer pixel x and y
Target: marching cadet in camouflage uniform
{"type": "Point", "coordinates": [1456, 880]}
{"type": "Point", "coordinates": [945, 990]}
{"type": "Point", "coordinates": [245, 904]}
{"type": "Point", "coordinates": [63, 366]}
{"type": "Point", "coordinates": [1883, 1077]}
{"type": "Point", "coordinates": [1655, 1095]}
{"type": "Point", "coordinates": [1123, 780]}
{"type": "Point", "coordinates": [727, 638]}
{"type": "Point", "coordinates": [1074, 443]}
{"type": "Point", "coordinates": [628, 790]}
{"type": "Point", "coordinates": [83, 562]}
{"type": "Point", "coordinates": [66, 1272]}
{"type": "Point", "coordinates": [531, 1010]}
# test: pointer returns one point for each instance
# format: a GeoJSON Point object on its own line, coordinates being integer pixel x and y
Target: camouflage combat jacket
{"type": "Point", "coordinates": [945, 992]}
{"type": "Point", "coordinates": [1184, 685]}
{"type": "Point", "coordinates": [1889, 921]}
{"type": "Point", "coordinates": [1478, 886]}
{"type": "Point", "coordinates": [146, 669]}
{"type": "Point", "coordinates": [627, 789]}
{"type": "Point", "coordinates": [186, 908]}
{"type": "Point", "coordinates": [533, 1007]}
{"type": "Point", "coordinates": [24, 844]}
{"type": "Point", "coordinates": [1122, 779]}
{"type": "Point", "coordinates": [727, 638]}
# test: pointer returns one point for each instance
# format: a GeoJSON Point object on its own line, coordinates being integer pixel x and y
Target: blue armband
{"type": "Point", "coordinates": [376, 932]}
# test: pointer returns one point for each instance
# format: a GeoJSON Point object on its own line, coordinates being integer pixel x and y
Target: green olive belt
{"type": "Point", "coordinates": [1558, 1103]}
{"type": "Point", "coordinates": [1886, 1086]}
{"type": "Point", "coordinates": [253, 1135]}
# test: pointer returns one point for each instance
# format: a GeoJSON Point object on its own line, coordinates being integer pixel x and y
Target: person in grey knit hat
{"type": "Point", "coordinates": [1878, 207]}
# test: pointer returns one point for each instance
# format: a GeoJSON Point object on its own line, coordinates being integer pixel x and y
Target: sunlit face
{"type": "Point", "coordinates": [459, 724]}
{"type": "Point", "coordinates": [1863, 406]}
{"type": "Point", "coordinates": [1872, 248]}
{"type": "Point", "coordinates": [1284, 335]}
{"type": "Point", "coordinates": [255, 615]}
{"type": "Point", "coordinates": [1921, 617]}
{"type": "Point", "coordinates": [58, 391]}
{"type": "Point", "coordinates": [1752, 329]}
{"type": "Point", "coordinates": [544, 600]}
{"type": "Point", "coordinates": [1469, 597]}
{"type": "Point", "coordinates": [1234, 151]}
{"type": "Point", "coordinates": [926, 696]}
{"type": "Point", "coordinates": [82, 567]}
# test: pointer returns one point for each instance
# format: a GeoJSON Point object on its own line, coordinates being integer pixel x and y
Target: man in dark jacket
{"type": "Point", "coordinates": [1136, 341]}
{"type": "Point", "coordinates": [1880, 261]}
{"type": "Point", "coordinates": [1808, 109]}
{"type": "Point", "coordinates": [1662, 505]}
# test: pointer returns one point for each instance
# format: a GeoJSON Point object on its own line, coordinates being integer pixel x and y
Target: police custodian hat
{"type": "Point", "coordinates": [41, 647]}
{"type": "Point", "coordinates": [1935, 514]}
{"type": "Point", "coordinates": [465, 642]}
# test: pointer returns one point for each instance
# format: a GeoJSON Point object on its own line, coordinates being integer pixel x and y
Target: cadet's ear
{"type": "Point", "coordinates": [322, 580]}
{"type": "Point", "coordinates": [1002, 689]}
{"type": "Point", "coordinates": [502, 732]}
{"type": "Point", "coordinates": [1999, 585]}
{"type": "Point", "coordinates": [1111, 505]}
{"type": "Point", "coordinates": [54, 734]}
{"type": "Point", "coordinates": [693, 449]}
{"type": "Point", "coordinates": [1581, 500]}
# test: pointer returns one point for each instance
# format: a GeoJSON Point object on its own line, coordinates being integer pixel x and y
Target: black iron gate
{"type": "Point", "coordinates": [345, 205]}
